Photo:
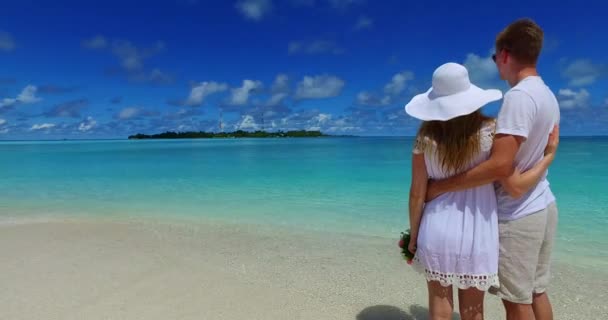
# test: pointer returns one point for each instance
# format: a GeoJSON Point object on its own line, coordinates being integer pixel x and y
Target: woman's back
{"type": "Point", "coordinates": [458, 234]}
{"type": "Point", "coordinates": [454, 236]}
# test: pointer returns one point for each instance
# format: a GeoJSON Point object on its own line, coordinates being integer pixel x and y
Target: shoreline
{"type": "Point", "coordinates": [140, 268]}
{"type": "Point", "coordinates": [565, 254]}
{"type": "Point", "coordinates": [561, 256]}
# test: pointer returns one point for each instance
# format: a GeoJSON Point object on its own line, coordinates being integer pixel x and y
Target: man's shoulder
{"type": "Point", "coordinates": [533, 90]}
{"type": "Point", "coordinates": [519, 95]}
{"type": "Point", "coordinates": [527, 86]}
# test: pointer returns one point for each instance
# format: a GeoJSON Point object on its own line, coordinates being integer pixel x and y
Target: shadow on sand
{"type": "Point", "coordinates": [385, 312]}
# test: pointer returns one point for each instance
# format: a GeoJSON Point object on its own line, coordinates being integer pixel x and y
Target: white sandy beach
{"type": "Point", "coordinates": [145, 269]}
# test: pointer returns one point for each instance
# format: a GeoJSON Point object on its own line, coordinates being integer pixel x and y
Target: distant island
{"type": "Point", "coordinates": [235, 134]}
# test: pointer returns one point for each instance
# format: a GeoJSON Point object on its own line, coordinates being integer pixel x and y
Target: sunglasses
{"type": "Point", "coordinates": [494, 55]}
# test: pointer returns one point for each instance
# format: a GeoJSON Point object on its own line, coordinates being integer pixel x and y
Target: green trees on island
{"type": "Point", "coordinates": [235, 134]}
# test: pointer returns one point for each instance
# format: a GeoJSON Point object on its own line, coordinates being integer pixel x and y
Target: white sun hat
{"type": "Point", "coordinates": [452, 95]}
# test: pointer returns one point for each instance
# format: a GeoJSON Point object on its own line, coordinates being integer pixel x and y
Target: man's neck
{"type": "Point", "coordinates": [523, 73]}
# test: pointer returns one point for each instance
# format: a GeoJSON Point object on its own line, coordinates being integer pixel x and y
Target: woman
{"type": "Point", "coordinates": [455, 236]}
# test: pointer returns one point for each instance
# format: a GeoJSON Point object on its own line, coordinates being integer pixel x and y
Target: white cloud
{"type": "Point", "coordinates": [247, 122]}
{"type": "Point", "coordinates": [156, 76]}
{"type": "Point", "coordinates": [369, 99]}
{"type": "Point", "coordinates": [344, 129]}
{"type": "Point", "coordinates": [275, 99]}
{"type": "Point", "coordinates": [308, 119]}
{"type": "Point", "coordinates": [314, 47]}
{"type": "Point", "coordinates": [203, 90]}
{"type": "Point", "coordinates": [6, 41]}
{"type": "Point", "coordinates": [183, 127]}
{"type": "Point", "coordinates": [128, 113]}
{"type": "Point", "coordinates": [280, 84]}
{"type": "Point", "coordinates": [391, 91]}
{"type": "Point", "coordinates": [27, 96]}
{"type": "Point", "coordinates": [131, 59]}
{"type": "Point", "coordinates": [7, 102]}
{"type": "Point", "coordinates": [3, 128]}
{"type": "Point", "coordinates": [341, 126]}
{"type": "Point", "coordinates": [279, 91]}
{"type": "Point", "coordinates": [97, 42]}
{"type": "Point", "coordinates": [364, 23]}
{"type": "Point", "coordinates": [570, 99]}
{"type": "Point", "coordinates": [254, 9]}
{"type": "Point", "coordinates": [583, 72]}
{"type": "Point", "coordinates": [397, 83]}
{"type": "Point", "coordinates": [482, 70]}
{"type": "Point", "coordinates": [386, 100]}
{"type": "Point", "coordinates": [68, 109]}
{"type": "Point", "coordinates": [87, 124]}
{"type": "Point", "coordinates": [340, 122]}
{"type": "Point", "coordinates": [322, 118]}
{"type": "Point", "coordinates": [315, 120]}
{"type": "Point", "coordinates": [240, 96]}
{"type": "Point", "coordinates": [366, 98]}
{"type": "Point", "coordinates": [43, 126]}
{"type": "Point", "coordinates": [319, 87]}
{"type": "Point", "coordinates": [134, 113]}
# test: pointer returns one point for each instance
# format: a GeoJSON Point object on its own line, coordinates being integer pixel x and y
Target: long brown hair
{"type": "Point", "coordinates": [457, 140]}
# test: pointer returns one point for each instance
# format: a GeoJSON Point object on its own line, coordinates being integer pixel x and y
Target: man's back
{"type": "Point", "coordinates": [530, 110]}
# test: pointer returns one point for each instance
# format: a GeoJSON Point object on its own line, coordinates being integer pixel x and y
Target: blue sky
{"type": "Point", "coordinates": [108, 69]}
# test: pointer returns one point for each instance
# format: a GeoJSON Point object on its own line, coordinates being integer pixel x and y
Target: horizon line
{"type": "Point", "coordinates": [329, 136]}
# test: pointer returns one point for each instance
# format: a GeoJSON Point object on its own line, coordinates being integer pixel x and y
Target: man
{"type": "Point", "coordinates": [527, 223]}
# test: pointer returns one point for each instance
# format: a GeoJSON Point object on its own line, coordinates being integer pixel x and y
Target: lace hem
{"type": "Point", "coordinates": [481, 282]}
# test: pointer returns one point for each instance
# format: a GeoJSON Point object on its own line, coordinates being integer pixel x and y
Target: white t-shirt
{"type": "Point", "coordinates": [529, 110]}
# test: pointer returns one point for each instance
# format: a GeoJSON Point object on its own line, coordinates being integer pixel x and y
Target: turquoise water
{"type": "Point", "coordinates": [355, 185]}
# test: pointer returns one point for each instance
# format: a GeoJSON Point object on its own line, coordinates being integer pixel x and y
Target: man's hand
{"type": "Point", "coordinates": [432, 190]}
{"type": "Point", "coordinates": [553, 142]}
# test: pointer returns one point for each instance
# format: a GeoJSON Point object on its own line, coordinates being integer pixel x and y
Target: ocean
{"type": "Point", "coordinates": [356, 185]}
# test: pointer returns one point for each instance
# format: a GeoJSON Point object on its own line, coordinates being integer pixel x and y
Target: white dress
{"type": "Point", "coordinates": [458, 235]}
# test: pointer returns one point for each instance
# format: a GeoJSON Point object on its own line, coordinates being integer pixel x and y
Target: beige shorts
{"type": "Point", "coordinates": [525, 255]}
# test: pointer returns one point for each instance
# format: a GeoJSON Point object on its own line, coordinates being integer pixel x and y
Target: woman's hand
{"type": "Point", "coordinates": [553, 142]}
{"type": "Point", "coordinates": [412, 245]}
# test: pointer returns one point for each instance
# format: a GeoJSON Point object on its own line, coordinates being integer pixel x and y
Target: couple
{"type": "Point", "coordinates": [490, 217]}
